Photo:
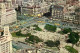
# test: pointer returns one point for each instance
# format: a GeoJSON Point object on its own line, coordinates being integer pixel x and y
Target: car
{"type": "Point", "coordinates": [56, 24]}
{"type": "Point", "coordinates": [38, 21]}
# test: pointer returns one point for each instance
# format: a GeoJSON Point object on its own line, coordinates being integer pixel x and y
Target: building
{"type": "Point", "coordinates": [36, 7]}
{"type": "Point", "coordinates": [5, 41]}
{"type": "Point", "coordinates": [79, 2]}
{"type": "Point", "coordinates": [7, 13]}
{"type": "Point", "coordinates": [69, 18]}
{"type": "Point", "coordinates": [45, 50]}
{"type": "Point", "coordinates": [19, 2]}
{"type": "Point", "coordinates": [20, 47]}
{"type": "Point", "coordinates": [77, 18]}
{"type": "Point", "coordinates": [56, 11]}
{"type": "Point", "coordinates": [72, 14]}
{"type": "Point", "coordinates": [14, 3]}
{"type": "Point", "coordinates": [60, 2]}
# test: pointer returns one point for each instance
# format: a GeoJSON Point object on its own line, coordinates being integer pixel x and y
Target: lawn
{"type": "Point", "coordinates": [71, 49]}
{"type": "Point", "coordinates": [37, 28]}
{"type": "Point", "coordinates": [14, 35]}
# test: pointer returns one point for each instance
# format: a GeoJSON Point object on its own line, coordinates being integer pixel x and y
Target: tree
{"type": "Point", "coordinates": [50, 27]}
{"type": "Point", "coordinates": [18, 33]}
{"type": "Point", "coordinates": [34, 39]}
{"type": "Point", "coordinates": [67, 30]}
{"type": "Point", "coordinates": [28, 27]}
{"type": "Point", "coordinates": [2, 33]}
{"type": "Point", "coordinates": [37, 28]}
{"type": "Point", "coordinates": [71, 49]}
{"type": "Point", "coordinates": [35, 25]}
{"type": "Point", "coordinates": [31, 38]}
{"type": "Point", "coordinates": [73, 37]}
{"type": "Point", "coordinates": [37, 39]}
{"type": "Point", "coordinates": [28, 34]}
{"type": "Point", "coordinates": [57, 43]}
{"type": "Point", "coordinates": [18, 9]}
{"type": "Point", "coordinates": [48, 14]}
{"type": "Point", "coordinates": [50, 43]}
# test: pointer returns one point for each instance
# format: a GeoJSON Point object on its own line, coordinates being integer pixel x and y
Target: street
{"type": "Point", "coordinates": [27, 21]}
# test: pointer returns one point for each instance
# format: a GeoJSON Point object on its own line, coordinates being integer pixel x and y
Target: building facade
{"type": "Point", "coordinates": [68, 18]}
{"type": "Point", "coordinates": [7, 13]}
{"type": "Point", "coordinates": [6, 41]}
{"type": "Point", "coordinates": [36, 7]}
{"type": "Point", "coordinates": [56, 11]}
{"type": "Point", "coordinates": [77, 18]}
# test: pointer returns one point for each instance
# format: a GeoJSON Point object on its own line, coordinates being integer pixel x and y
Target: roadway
{"type": "Point", "coordinates": [27, 21]}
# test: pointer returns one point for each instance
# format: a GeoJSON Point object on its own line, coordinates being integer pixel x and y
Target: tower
{"type": "Point", "coordinates": [6, 41]}
{"type": "Point", "coordinates": [7, 13]}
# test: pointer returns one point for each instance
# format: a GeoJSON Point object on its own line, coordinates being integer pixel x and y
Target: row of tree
{"type": "Point", "coordinates": [33, 39]}
{"type": "Point", "coordinates": [37, 28]}
{"type": "Point", "coordinates": [73, 38]}
{"type": "Point", "coordinates": [50, 28]}
{"type": "Point", "coordinates": [65, 31]}
{"type": "Point", "coordinates": [50, 43]}
{"type": "Point", "coordinates": [19, 34]}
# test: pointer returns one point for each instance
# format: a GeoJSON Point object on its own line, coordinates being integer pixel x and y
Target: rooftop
{"type": "Point", "coordinates": [19, 45]}
{"type": "Point", "coordinates": [57, 7]}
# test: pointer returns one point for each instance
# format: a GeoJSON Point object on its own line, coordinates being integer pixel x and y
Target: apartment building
{"type": "Point", "coordinates": [5, 41]}
{"type": "Point", "coordinates": [7, 13]}
{"type": "Point", "coordinates": [36, 7]}
{"type": "Point", "coordinates": [57, 11]}
{"type": "Point", "coordinates": [77, 18]}
{"type": "Point", "coordinates": [68, 18]}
